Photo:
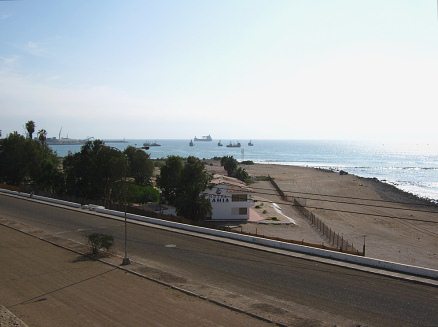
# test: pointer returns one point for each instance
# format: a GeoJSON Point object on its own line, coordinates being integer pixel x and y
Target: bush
{"type": "Point", "coordinates": [241, 174]}
{"type": "Point", "coordinates": [99, 241]}
{"type": "Point", "coordinates": [142, 194]}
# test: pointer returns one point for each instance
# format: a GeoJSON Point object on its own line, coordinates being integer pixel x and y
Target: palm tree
{"type": "Point", "coordinates": [42, 135]}
{"type": "Point", "coordinates": [30, 127]}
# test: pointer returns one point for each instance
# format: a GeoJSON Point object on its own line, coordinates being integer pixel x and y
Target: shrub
{"type": "Point", "coordinates": [99, 241]}
{"type": "Point", "coordinates": [142, 194]}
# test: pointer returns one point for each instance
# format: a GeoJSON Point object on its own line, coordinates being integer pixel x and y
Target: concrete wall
{"type": "Point", "coordinates": [364, 261]}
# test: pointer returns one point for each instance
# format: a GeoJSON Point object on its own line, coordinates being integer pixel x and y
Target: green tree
{"type": "Point", "coordinates": [194, 180]}
{"type": "Point", "coordinates": [229, 164]}
{"type": "Point", "coordinates": [30, 127]}
{"type": "Point", "coordinates": [140, 165]}
{"type": "Point", "coordinates": [45, 168]}
{"type": "Point", "coordinates": [170, 177]}
{"type": "Point", "coordinates": [241, 174]}
{"type": "Point", "coordinates": [93, 172]}
{"type": "Point", "coordinates": [25, 160]}
{"type": "Point", "coordinates": [15, 159]}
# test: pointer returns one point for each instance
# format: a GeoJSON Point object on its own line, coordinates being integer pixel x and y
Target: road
{"type": "Point", "coordinates": [318, 292]}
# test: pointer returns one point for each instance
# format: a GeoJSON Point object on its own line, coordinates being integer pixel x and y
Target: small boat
{"type": "Point", "coordinates": [151, 144]}
{"type": "Point", "coordinates": [250, 143]}
{"type": "Point", "coordinates": [234, 145]}
{"type": "Point", "coordinates": [191, 143]}
{"type": "Point", "coordinates": [144, 147]}
{"type": "Point", "coordinates": [219, 143]}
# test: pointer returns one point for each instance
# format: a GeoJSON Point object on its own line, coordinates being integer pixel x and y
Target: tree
{"type": "Point", "coordinates": [140, 166]}
{"type": "Point", "coordinates": [15, 159]}
{"type": "Point", "coordinates": [194, 180]}
{"type": "Point", "coordinates": [170, 177]}
{"type": "Point", "coordinates": [44, 169]}
{"type": "Point", "coordinates": [25, 160]}
{"type": "Point", "coordinates": [93, 172]}
{"type": "Point", "coordinates": [241, 174]}
{"type": "Point", "coordinates": [30, 127]}
{"type": "Point", "coordinates": [229, 164]}
{"type": "Point", "coordinates": [42, 135]}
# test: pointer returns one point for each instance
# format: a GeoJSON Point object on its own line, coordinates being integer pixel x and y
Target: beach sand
{"type": "Point", "coordinates": [406, 241]}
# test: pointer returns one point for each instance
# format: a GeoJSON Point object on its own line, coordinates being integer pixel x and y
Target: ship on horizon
{"type": "Point", "coordinates": [206, 138]}
{"type": "Point", "coordinates": [234, 145]}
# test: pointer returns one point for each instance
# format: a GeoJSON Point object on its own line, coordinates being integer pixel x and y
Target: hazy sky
{"type": "Point", "coordinates": [294, 69]}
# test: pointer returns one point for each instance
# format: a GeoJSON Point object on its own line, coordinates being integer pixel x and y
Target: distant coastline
{"type": "Point", "coordinates": [412, 169]}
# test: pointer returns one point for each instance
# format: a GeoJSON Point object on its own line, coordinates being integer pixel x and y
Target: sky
{"type": "Point", "coordinates": [240, 69]}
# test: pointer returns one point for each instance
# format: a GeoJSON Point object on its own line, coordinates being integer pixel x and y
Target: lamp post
{"type": "Point", "coordinates": [159, 201]}
{"type": "Point", "coordinates": [126, 260]}
{"type": "Point", "coordinates": [363, 249]}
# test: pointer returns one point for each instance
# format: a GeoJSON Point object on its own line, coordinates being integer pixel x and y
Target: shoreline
{"type": "Point", "coordinates": [353, 206]}
{"type": "Point", "coordinates": [392, 185]}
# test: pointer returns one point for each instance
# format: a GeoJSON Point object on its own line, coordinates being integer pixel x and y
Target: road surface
{"type": "Point", "coordinates": [317, 292]}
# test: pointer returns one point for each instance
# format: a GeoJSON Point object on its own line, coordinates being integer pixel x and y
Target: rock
{"type": "Point", "coordinates": [343, 172]}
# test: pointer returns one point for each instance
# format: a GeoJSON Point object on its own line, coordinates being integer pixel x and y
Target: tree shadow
{"type": "Point", "coordinates": [91, 257]}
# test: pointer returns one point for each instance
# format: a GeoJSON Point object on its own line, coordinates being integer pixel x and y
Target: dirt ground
{"type": "Point", "coordinates": [406, 241]}
{"type": "Point", "coordinates": [45, 285]}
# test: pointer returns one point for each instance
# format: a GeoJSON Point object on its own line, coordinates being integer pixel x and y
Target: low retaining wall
{"type": "Point", "coordinates": [375, 263]}
{"type": "Point", "coordinates": [41, 198]}
{"type": "Point", "coordinates": [370, 262]}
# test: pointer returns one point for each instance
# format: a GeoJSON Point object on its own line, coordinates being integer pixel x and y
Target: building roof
{"type": "Point", "coordinates": [234, 184]}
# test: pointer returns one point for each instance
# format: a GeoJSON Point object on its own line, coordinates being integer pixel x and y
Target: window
{"type": "Point", "coordinates": [239, 197]}
{"type": "Point", "coordinates": [243, 211]}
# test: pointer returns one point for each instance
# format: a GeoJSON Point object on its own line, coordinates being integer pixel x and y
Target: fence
{"type": "Point", "coordinates": [302, 242]}
{"type": "Point", "coordinates": [335, 239]}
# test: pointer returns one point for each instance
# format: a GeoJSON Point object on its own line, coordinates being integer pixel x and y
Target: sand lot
{"type": "Point", "coordinates": [45, 285]}
{"type": "Point", "coordinates": [406, 241]}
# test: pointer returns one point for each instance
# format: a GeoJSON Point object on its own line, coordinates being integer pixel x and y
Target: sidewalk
{"type": "Point", "coordinates": [45, 285]}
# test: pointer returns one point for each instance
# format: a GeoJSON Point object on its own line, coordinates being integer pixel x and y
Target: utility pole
{"type": "Point", "coordinates": [363, 249]}
{"type": "Point", "coordinates": [126, 260]}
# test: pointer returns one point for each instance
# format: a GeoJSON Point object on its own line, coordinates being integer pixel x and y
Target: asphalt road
{"type": "Point", "coordinates": [355, 295]}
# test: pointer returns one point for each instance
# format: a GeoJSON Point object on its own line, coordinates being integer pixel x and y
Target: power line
{"type": "Point", "coordinates": [343, 211]}
{"type": "Point", "coordinates": [349, 197]}
{"type": "Point", "coordinates": [346, 202]}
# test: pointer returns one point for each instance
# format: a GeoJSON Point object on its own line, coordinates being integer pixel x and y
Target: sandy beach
{"type": "Point", "coordinates": [410, 240]}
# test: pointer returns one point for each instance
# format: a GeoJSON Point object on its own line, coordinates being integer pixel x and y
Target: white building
{"type": "Point", "coordinates": [230, 199]}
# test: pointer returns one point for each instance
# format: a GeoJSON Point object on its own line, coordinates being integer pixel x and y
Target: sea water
{"type": "Point", "coordinates": [412, 167]}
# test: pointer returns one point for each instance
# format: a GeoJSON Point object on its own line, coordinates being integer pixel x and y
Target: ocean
{"type": "Point", "coordinates": [411, 167]}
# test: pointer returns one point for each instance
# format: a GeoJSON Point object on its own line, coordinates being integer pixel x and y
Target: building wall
{"type": "Point", "coordinates": [223, 208]}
